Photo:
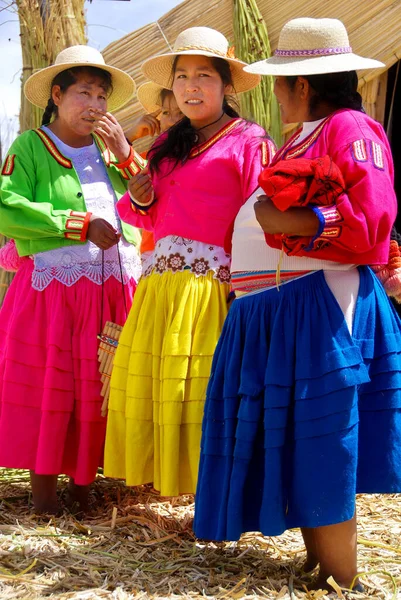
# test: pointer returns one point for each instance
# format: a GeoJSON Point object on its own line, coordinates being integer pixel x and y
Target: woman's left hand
{"type": "Point", "coordinates": [112, 132]}
{"type": "Point", "coordinates": [300, 221]}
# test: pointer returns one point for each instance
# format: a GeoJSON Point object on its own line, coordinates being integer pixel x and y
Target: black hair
{"type": "Point", "coordinates": [165, 93]}
{"type": "Point", "coordinates": [182, 137]}
{"type": "Point", "coordinates": [67, 78]}
{"type": "Point", "coordinates": [339, 90]}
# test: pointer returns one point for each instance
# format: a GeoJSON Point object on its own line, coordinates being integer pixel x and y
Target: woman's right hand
{"type": "Point", "coordinates": [145, 125]}
{"type": "Point", "coordinates": [101, 233]}
{"type": "Point", "coordinates": [141, 189]}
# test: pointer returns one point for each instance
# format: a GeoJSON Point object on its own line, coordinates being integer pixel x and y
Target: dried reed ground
{"type": "Point", "coordinates": [138, 545]}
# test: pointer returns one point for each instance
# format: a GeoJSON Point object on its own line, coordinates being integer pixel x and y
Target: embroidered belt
{"type": "Point", "coordinates": [251, 281]}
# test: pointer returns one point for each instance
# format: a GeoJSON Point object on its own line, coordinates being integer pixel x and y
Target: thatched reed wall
{"type": "Point", "coordinates": [373, 26]}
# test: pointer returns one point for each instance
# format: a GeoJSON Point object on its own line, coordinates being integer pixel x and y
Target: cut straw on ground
{"type": "Point", "coordinates": [135, 544]}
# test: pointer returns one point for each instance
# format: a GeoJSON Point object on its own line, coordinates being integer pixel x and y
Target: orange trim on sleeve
{"type": "Point", "coordinates": [132, 169]}
{"type": "Point", "coordinates": [9, 165]}
{"type": "Point", "coordinates": [132, 166]}
{"type": "Point", "coordinates": [265, 154]}
{"type": "Point", "coordinates": [128, 161]}
{"type": "Point", "coordinates": [137, 210]}
{"type": "Point", "coordinates": [77, 226]}
{"type": "Point", "coordinates": [85, 228]}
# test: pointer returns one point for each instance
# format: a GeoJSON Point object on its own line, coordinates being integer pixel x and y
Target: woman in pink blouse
{"type": "Point", "coordinates": [200, 174]}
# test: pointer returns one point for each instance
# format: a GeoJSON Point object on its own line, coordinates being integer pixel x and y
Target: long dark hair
{"type": "Point", "coordinates": [67, 78]}
{"type": "Point", "coordinates": [336, 89]}
{"type": "Point", "coordinates": [182, 137]}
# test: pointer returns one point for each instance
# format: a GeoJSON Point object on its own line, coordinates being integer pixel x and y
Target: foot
{"type": "Point", "coordinates": [321, 584]}
{"type": "Point", "coordinates": [51, 508]}
{"type": "Point", "coordinates": [44, 494]}
{"type": "Point", "coordinates": [76, 498]}
{"type": "Point", "coordinates": [310, 564]}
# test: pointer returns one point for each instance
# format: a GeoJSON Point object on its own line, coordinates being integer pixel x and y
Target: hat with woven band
{"type": "Point", "coordinates": [312, 47]}
{"type": "Point", "coordinates": [149, 96]}
{"type": "Point", "coordinates": [37, 88]}
{"type": "Point", "coordinates": [199, 41]}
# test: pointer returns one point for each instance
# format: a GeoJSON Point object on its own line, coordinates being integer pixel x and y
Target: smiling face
{"type": "Point", "coordinates": [199, 89]}
{"type": "Point", "coordinates": [74, 123]}
{"type": "Point", "coordinates": [170, 113]}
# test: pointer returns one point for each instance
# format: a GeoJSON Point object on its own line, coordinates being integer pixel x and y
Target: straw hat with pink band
{"type": "Point", "coordinates": [199, 41]}
{"type": "Point", "coordinates": [312, 47]}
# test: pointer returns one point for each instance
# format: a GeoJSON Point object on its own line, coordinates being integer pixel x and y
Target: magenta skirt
{"type": "Point", "coordinates": [50, 400]}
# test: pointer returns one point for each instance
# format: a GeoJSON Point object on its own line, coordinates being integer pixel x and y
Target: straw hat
{"type": "Point", "coordinates": [148, 95]}
{"type": "Point", "coordinates": [311, 47]}
{"type": "Point", "coordinates": [37, 88]}
{"type": "Point", "coordinates": [199, 41]}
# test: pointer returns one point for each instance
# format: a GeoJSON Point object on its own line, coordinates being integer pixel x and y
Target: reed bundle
{"type": "Point", "coordinates": [46, 28]}
{"type": "Point", "coordinates": [252, 44]}
{"type": "Point", "coordinates": [106, 352]}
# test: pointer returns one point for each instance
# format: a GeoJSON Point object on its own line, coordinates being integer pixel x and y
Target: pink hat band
{"type": "Point", "coordinates": [315, 52]}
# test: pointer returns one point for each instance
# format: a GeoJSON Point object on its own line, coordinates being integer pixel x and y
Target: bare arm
{"type": "Point", "coordinates": [294, 221]}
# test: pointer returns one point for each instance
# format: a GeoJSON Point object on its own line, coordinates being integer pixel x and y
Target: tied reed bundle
{"type": "Point", "coordinates": [108, 338]}
{"type": "Point", "coordinates": [252, 44]}
{"type": "Point", "coordinates": [46, 28]}
{"type": "Point", "coordinates": [107, 348]}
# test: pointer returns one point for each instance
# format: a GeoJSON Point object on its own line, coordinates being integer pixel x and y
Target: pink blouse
{"type": "Point", "coordinates": [356, 228]}
{"type": "Point", "coordinates": [200, 199]}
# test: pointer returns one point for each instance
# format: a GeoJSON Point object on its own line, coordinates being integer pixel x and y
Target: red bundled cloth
{"type": "Point", "coordinates": [300, 182]}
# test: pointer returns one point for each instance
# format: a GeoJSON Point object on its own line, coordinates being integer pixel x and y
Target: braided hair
{"type": "Point", "coordinates": [336, 89]}
{"type": "Point", "coordinates": [50, 108]}
{"type": "Point", "coordinates": [182, 137]}
{"type": "Point", "coordinates": [67, 78]}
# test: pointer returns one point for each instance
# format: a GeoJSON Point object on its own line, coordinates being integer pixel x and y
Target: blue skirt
{"type": "Point", "coordinates": [300, 416]}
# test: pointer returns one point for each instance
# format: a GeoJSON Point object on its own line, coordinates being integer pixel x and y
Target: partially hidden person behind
{"type": "Point", "coordinates": [200, 173]}
{"type": "Point", "coordinates": [303, 405]}
{"type": "Point", "coordinates": [161, 108]}
{"type": "Point", "coordinates": [79, 268]}
{"type": "Point", "coordinates": [162, 112]}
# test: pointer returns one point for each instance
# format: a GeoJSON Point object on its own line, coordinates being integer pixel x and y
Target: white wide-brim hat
{"type": "Point", "coordinates": [37, 88]}
{"type": "Point", "coordinates": [313, 47]}
{"type": "Point", "coordinates": [199, 41]}
{"type": "Point", "coordinates": [149, 96]}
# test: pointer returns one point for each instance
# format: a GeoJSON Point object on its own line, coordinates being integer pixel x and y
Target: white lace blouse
{"type": "Point", "coordinates": [68, 264]}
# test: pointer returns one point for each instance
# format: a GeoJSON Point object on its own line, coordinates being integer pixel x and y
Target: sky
{"type": "Point", "coordinates": [107, 20]}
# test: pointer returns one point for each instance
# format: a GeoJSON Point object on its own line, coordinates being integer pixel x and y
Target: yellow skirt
{"type": "Point", "coordinates": [159, 380]}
